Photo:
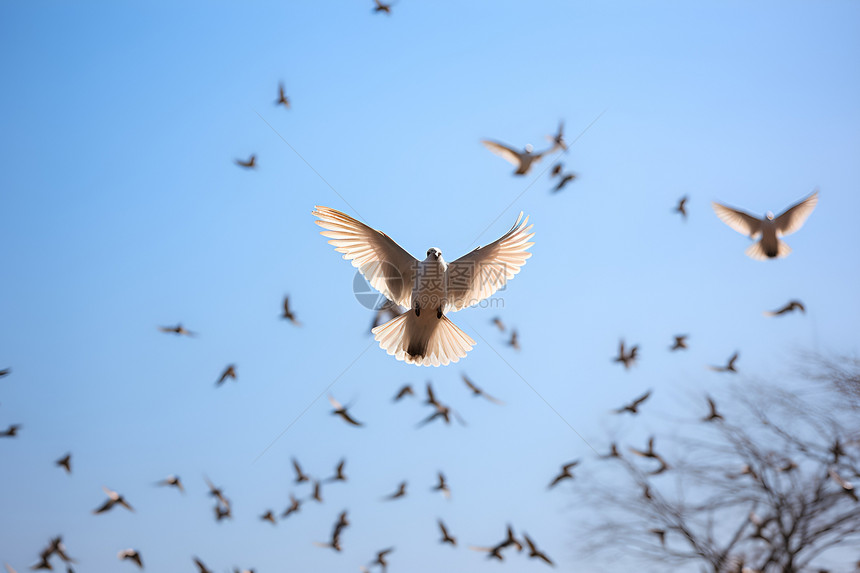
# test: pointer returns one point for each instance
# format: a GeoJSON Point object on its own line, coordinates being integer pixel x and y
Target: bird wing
{"type": "Point", "coordinates": [337, 405]}
{"type": "Point", "coordinates": [793, 218]}
{"type": "Point", "coordinates": [385, 264]}
{"type": "Point", "coordinates": [742, 222]}
{"type": "Point", "coordinates": [477, 275]}
{"type": "Point", "coordinates": [510, 155]}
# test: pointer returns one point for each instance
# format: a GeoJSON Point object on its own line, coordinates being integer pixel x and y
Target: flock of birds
{"type": "Point", "coordinates": [766, 232]}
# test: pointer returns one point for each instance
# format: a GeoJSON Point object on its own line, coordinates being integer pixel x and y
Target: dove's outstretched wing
{"type": "Point", "coordinates": [795, 216]}
{"type": "Point", "coordinates": [385, 264]}
{"type": "Point", "coordinates": [742, 222]}
{"type": "Point", "coordinates": [477, 275]}
{"type": "Point", "coordinates": [503, 151]}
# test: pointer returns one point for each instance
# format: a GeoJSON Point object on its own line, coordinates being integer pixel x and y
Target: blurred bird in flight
{"type": "Point", "coordinates": [423, 335]}
{"type": "Point", "coordinates": [770, 229]}
{"type": "Point", "coordinates": [791, 306]}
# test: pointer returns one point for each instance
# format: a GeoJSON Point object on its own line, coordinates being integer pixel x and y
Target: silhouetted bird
{"type": "Point", "coordinates": [5, 372]}
{"type": "Point", "coordinates": [250, 164]}
{"type": "Point", "coordinates": [131, 555]}
{"type": "Point", "coordinates": [11, 432]}
{"type": "Point", "coordinates": [317, 492]}
{"type": "Point", "coordinates": [713, 414]}
{"type": "Point", "coordinates": [627, 359]}
{"type": "Point", "coordinates": [682, 207]}
{"type": "Point", "coordinates": [229, 372]}
{"type": "Point", "coordinates": [846, 486]}
{"type": "Point", "coordinates": [522, 160]}
{"type": "Point", "coordinates": [288, 314]}
{"type": "Point", "coordinates": [295, 506]}
{"type": "Point", "coordinates": [342, 522]}
{"type": "Point", "coordinates": [340, 410]}
{"type": "Point", "coordinates": [217, 492]}
{"type": "Point", "coordinates": [380, 559]}
{"type": "Point", "coordinates": [680, 343]}
{"type": "Point", "coordinates": [282, 97]}
{"type": "Point", "coordinates": [613, 452]}
{"type": "Point", "coordinates": [514, 341]}
{"type": "Point", "coordinates": [770, 229]}
{"type": "Point", "coordinates": [65, 462]}
{"type": "Point", "coordinates": [558, 139]}
{"type": "Point", "coordinates": [113, 499]}
{"type": "Point", "coordinates": [404, 391]}
{"type": "Point", "coordinates": [401, 492]}
{"type": "Point", "coordinates": [556, 170]}
{"type": "Point", "coordinates": [201, 568]}
{"type": "Point", "coordinates": [269, 516]}
{"type": "Point", "coordinates": [446, 537]}
{"type": "Point", "coordinates": [478, 391]}
{"type": "Point", "coordinates": [178, 330]}
{"type": "Point", "coordinates": [380, 7]}
{"type": "Point", "coordinates": [300, 475]}
{"type": "Point", "coordinates": [499, 324]}
{"type": "Point", "coordinates": [729, 367]}
{"type": "Point", "coordinates": [633, 407]}
{"type": "Point", "coordinates": [338, 472]}
{"type": "Point", "coordinates": [565, 473]}
{"type": "Point", "coordinates": [443, 486]}
{"type": "Point", "coordinates": [535, 553]}
{"type": "Point", "coordinates": [172, 481]}
{"type": "Point", "coordinates": [792, 305]}
{"type": "Point", "coordinates": [565, 179]}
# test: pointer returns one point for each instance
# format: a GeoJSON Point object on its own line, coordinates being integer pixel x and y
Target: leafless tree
{"type": "Point", "coordinates": [767, 489]}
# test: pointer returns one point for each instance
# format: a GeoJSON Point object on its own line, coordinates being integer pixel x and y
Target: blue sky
{"type": "Point", "coordinates": [123, 210]}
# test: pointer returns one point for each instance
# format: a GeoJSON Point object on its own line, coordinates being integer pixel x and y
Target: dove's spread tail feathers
{"type": "Point", "coordinates": [763, 250]}
{"type": "Point", "coordinates": [424, 340]}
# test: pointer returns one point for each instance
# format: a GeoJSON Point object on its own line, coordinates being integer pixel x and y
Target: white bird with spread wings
{"type": "Point", "coordinates": [767, 231]}
{"type": "Point", "coordinates": [430, 289]}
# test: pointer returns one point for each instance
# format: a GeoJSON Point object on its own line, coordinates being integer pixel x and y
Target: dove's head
{"type": "Point", "coordinates": [434, 254]}
{"type": "Point", "coordinates": [529, 148]}
{"type": "Point", "coordinates": [769, 215]}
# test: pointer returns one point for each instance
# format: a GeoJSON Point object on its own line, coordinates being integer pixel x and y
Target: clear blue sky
{"type": "Point", "coordinates": [122, 210]}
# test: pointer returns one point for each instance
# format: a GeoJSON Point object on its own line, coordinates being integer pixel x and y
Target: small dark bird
{"type": "Point", "coordinates": [633, 407]}
{"type": "Point", "coordinates": [565, 179]}
{"type": "Point", "coordinates": [295, 506]}
{"type": "Point", "coordinates": [613, 452]}
{"type": "Point", "coordinates": [217, 493]}
{"type": "Point", "coordinates": [131, 555]}
{"type": "Point", "coordinates": [300, 476]}
{"type": "Point", "coordinates": [55, 547]}
{"type": "Point", "coordinates": [113, 499]}
{"type": "Point", "coordinates": [201, 568]}
{"type": "Point", "coordinates": [511, 540]}
{"type": "Point", "coordinates": [558, 139]}
{"type": "Point", "coordinates": [380, 559]}
{"type": "Point", "coordinates": [443, 486]}
{"type": "Point", "coordinates": [342, 522]}
{"type": "Point", "coordinates": [317, 493]}
{"type": "Point", "coordinates": [514, 342]}
{"type": "Point", "coordinates": [556, 170]}
{"type": "Point", "coordinates": [179, 330]}
{"type": "Point", "coordinates": [65, 462]}
{"type": "Point", "coordinates": [499, 324]}
{"type": "Point", "coordinates": [730, 367]}
{"type": "Point", "coordinates": [494, 552]}
{"type": "Point", "coordinates": [565, 474]}
{"type": "Point", "coordinates": [11, 432]}
{"type": "Point", "coordinates": [680, 343]}
{"type": "Point", "coordinates": [282, 97]}
{"type": "Point", "coordinates": [172, 481]}
{"type": "Point", "coordinates": [682, 207]}
{"type": "Point", "coordinates": [338, 472]}
{"type": "Point", "coordinates": [223, 512]}
{"type": "Point", "coordinates": [660, 533]}
{"type": "Point", "coordinates": [534, 553]}
{"type": "Point", "coordinates": [478, 391]}
{"type": "Point", "coordinates": [340, 410]}
{"type": "Point", "coordinates": [442, 411]}
{"type": "Point", "coordinates": [380, 7]}
{"type": "Point", "coordinates": [627, 359]}
{"type": "Point", "coordinates": [846, 486]}
{"type": "Point", "coordinates": [401, 492]}
{"type": "Point", "coordinates": [446, 537]}
{"type": "Point", "coordinates": [288, 314]}
{"type": "Point", "coordinates": [229, 372]}
{"type": "Point", "coordinates": [269, 516]}
{"type": "Point", "coordinates": [791, 306]}
{"type": "Point", "coordinates": [788, 465]}
{"type": "Point", "coordinates": [405, 391]}
{"type": "Point", "coordinates": [649, 453]}
{"type": "Point", "coordinates": [5, 372]}
{"type": "Point", "coordinates": [250, 164]}
{"type": "Point", "coordinates": [713, 414]}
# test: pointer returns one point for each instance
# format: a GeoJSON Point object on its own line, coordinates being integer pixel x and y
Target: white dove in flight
{"type": "Point", "coordinates": [770, 229]}
{"type": "Point", "coordinates": [430, 289]}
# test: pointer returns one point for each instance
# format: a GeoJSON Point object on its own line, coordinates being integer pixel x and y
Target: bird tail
{"type": "Point", "coordinates": [423, 340]}
{"type": "Point", "coordinates": [757, 251]}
